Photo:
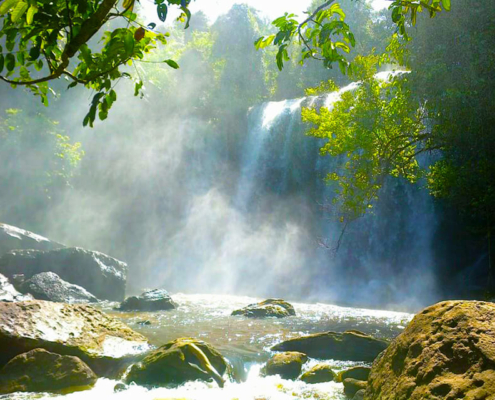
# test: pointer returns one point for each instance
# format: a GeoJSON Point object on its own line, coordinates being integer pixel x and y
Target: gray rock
{"type": "Point", "coordinates": [350, 346]}
{"type": "Point", "coordinates": [268, 308]}
{"type": "Point", "coordinates": [41, 371]}
{"type": "Point", "coordinates": [103, 276]}
{"type": "Point", "coordinates": [13, 238]}
{"type": "Point", "coordinates": [153, 300]}
{"type": "Point", "coordinates": [9, 293]}
{"type": "Point", "coordinates": [106, 344]}
{"type": "Point", "coordinates": [353, 386]}
{"type": "Point", "coordinates": [49, 286]}
{"type": "Point", "coordinates": [359, 395]}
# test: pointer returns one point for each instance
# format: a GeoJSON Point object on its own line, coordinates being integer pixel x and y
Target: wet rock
{"type": "Point", "coordinates": [119, 387]}
{"type": "Point", "coordinates": [9, 293]}
{"type": "Point", "coordinates": [359, 395]}
{"type": "Point", "coordinates": [268, 308]}
{"type": "Point", "coordinates": [288, 365]}
{"type": "Point", "coordinates": [41, 371]}
{"type": "Point", "coordinates": [350, 346]}
{"type": "Point", "coordinates": [104, 343]}
{"type": "Point", "coordinates": [352, 386]}
{"type": "Point", "coordinates": [103, 276]}
{"type": "Point", "coordinates": [153, 300]}
{"type": "Point", "coordinates": [49, 286]}
{"type": "Point", "coordinates": [319, 374]}
{"type": "Point", "coordinates": [13, 238]}
{"type": "Point", "coordinates": [446, 352]}
{"type": "Point", "coordinates": [179, 361]}
{"type": "Point", "coordinates": [359, 373]}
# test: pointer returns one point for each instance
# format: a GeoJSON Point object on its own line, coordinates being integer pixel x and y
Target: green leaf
{"type": "Point", "coordinates": [188, 15]}
{"type": "Point", "coordinates": [446, 4]}
{"type": "Point", "coordinates": [162, 11]}
{"type": "Point", "coordinates": [10, 62]}
{"type": "Point", "coordinates": [20, 57]}
{"type": "Point", "coordinates": [34, 53]}
{"type": "Point", "coordinates": [172, 64]}
{"type": "Point", "coordinates": [7, 5]}
{"type": "Point", "coordinates": [128, 4]}
{"type": "Point", "coordinates": [2, 62]}
{"type": "Point", "coordinates": [19, 11]}
{"type": "Point", "coordinates": [30, 14]}
{"type": "Point", "coordinates": [129, 43]}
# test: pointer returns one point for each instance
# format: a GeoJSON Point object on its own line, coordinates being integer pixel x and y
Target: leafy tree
{"type": "Point", "coordinates": [48, 40]}
{"type": "Point", "coordinates": [325, 35]}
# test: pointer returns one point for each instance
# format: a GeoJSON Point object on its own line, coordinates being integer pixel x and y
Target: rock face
{"type": "Point", "coordinates": [9, 293]}
{"type": "Point", "coordinates": [268, 308]}
{"type": "Point", "coordinates": [13, 238]}
{"type": "Point", "coordinates": [359, 373]}
{"type": "Point", "coordinates": [104, 343]}
{"type": "Point", "coordinates": [318, 374]}
{"type": "Point", "coordinates": [41, 371]}
{"type": "Point", "coordinates": [153, 300]}
{"type": "Point", "coordinates": [49, 286]}
{"type": "Point", "coordinates": [177, 362]}
{"type": "Point", "coordinates": [288, 365]}
{"type": "Point", "coordinates": [350, 345]}
{"type": "Point", "coordinates": [353, 386]}
{"type": "Point", "coordinates": [103, 276]}
{"type": "Point", "coordinates": [446, 352]}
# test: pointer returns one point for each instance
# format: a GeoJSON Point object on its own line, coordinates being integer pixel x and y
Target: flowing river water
{"type": "Point", "coordinates": [245, 343]}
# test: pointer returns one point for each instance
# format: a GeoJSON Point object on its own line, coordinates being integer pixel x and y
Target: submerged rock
{"type": "Point", "coordinates": [13, 238]}
{"type": "Point", "coordinates": [359, 395]}
{"type": "Point", "coordinates": [104, 343]}
{"type": "Point", "coordinates": [268, 308]}
{"type": "Point", "coordinates": [41, 371]}
{"type": "Point", "coordinates": [446, 352]}
{"type": "Point", "coordinates": [359, 373]}
{"type": "Point", "coordinates": [103, 276]}
{"type": "Point", "coordinates": [319, 374]}
{"type": "Point", "coordinates": [179, 361]}
{"type": "Point", "coordinates": [153, 300]}
{"type": "Point", "coordinates": [353, 386]}
{"type": "Point", "coordinates": [288, 365]}
{"type": "Point", "coordinates": [349, 346]}
{"type": "Point", "coordinates": [9, 293]}
{"type": "Point", "coordinates": [49, 286]}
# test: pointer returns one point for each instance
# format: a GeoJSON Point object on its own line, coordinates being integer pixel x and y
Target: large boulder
{"type": "Point", "coordinates": [179, 361]}
{"type": "Point", "coordinates": [152, 300]}
{"type": "Point", "coordinates": [349, 346]}
{"type": "Point", "coordinates": [288, 365]}
{"type": "Point", "coordinates": [359, 373]}
{"type": "Point", "coordinates": [49, 286]}
{"type": "Point", "coordinates": [104, 343]}
{"type": "Point", "coordinates": [9, 293]}
{"type": "Point", "coordinates": [103, 276]}
{"type": "Point", "coordinates": [13, 238]}
{"type": "Point", "coordinates": [41, 371]}
{"type": "Point", "coordinates": [268, 308]}
{"type": "Point", "coordinates": [318, 374]}
{"type": "Point", "coordinates": [446, 352]}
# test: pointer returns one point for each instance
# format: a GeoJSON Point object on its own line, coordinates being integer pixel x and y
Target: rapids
{"type": "Point", "coordinates": [245, 343]}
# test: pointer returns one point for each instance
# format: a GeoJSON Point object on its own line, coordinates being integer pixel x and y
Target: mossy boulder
{"type": "Point", "coordinates": [177, 362]}
{"type": "Point", "coordinates": [288, 365]}
{"type": "Point", "coordinates": [13, 238]}
{"type": "Point", "coordinates": [268, 308]}
{"type": "Point", "coordinates": [9, 293]}
{"type": "Point", "coordinates": [41, 371]}
{"type": "Point", "coordinates": [152, 300]}
{"type": "Point", "coordinates": [359, 373]}
{"type": "Point", "coordinates": [49, 286]}
{"type": "Point", "coordinates": [352, 386]}
{"type": "Point", "coordinates": [359, 394]}
{"type": "Point", "coordinates": [104, 343]}
{"type": "Point", "coordinates": [446, 352]}
{"type": "Point", "coordinates": [103, 276]}
{"type": "Point", "coordinates": [318, 374]}
{"type": "Point", "coordinates": [348, 346]}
